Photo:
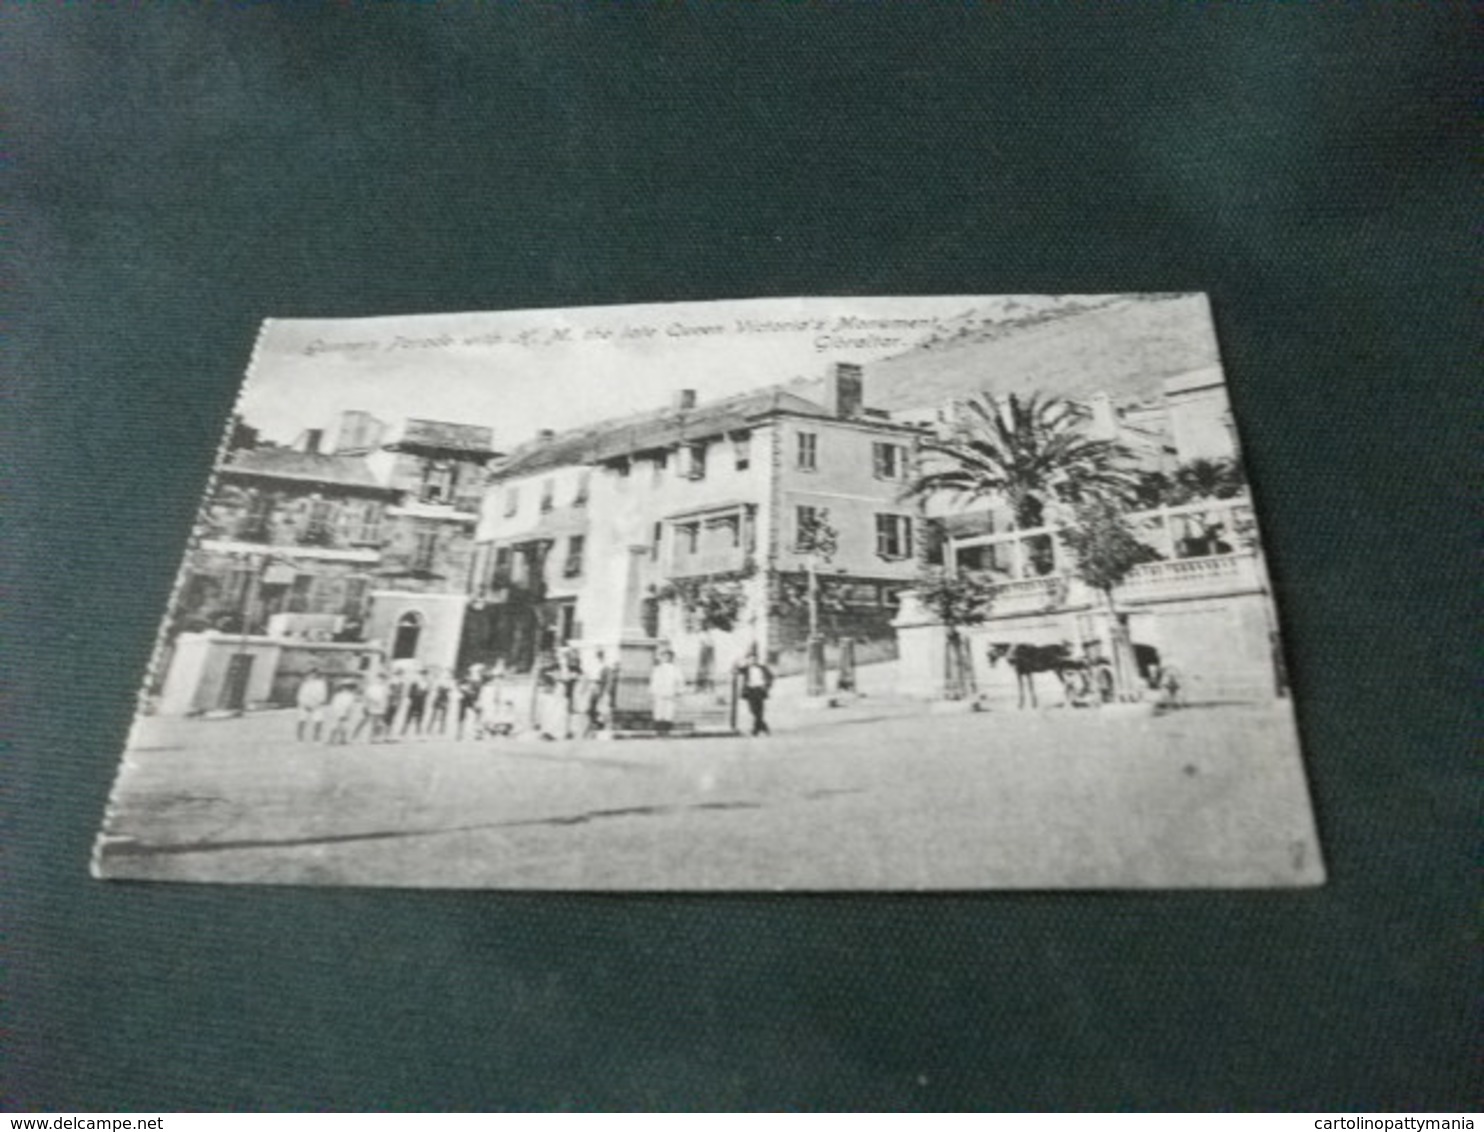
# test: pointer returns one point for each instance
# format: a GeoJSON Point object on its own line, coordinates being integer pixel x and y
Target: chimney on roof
{"type": "Point", "coordinates": [684, 400]}
{"type": "Point", "coordinates": [545, 435]}
{"type": "Point", "coordinates": [312, 439]}
{"type": "Point", "coordinates": [358, 432]}
{"type": "Point", "coordinates": [845, 392]}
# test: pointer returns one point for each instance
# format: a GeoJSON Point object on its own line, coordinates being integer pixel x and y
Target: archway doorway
{"type": "Point", "coordinates": [404, 643]}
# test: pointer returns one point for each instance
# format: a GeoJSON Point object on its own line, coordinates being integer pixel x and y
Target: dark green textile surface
{"type": "Point", "coordinates": [179, 172]}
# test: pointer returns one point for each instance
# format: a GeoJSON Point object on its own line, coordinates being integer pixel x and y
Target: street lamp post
{"type": "Point", "coordinates": [818, 541]}
{"type": "Point", "coordinates": [815, 643]}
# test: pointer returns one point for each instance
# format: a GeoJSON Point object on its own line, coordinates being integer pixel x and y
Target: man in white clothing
{"type": "Point", "coordinates": [314, 693]}
{"type": "Point", "coordinates": [665, 686]}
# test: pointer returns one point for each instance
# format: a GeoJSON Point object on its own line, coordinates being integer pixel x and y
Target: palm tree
{"type": "Point", "coordinates": [1030, 452]}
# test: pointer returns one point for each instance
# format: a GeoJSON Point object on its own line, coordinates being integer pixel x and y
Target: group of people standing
{"type": "Point", "coordinates": [384, 705]}
{"type": "Point", "coordinates": [566, 702]}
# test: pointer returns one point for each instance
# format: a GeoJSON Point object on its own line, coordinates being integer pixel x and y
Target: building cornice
{"type": "Point", "coordinates": [238, 549]}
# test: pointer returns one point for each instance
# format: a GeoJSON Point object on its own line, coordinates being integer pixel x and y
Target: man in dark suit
{"type": "Point", "coordinates": [757, 682]}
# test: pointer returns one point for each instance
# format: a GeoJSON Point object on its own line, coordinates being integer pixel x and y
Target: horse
{"type": "Point", "coordinates": [1027, 660]}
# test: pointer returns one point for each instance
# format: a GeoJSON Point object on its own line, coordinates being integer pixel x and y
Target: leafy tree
{"type": "Point", "coordinates": [1107, 551]}
{"type": "Point", "coordinates": [818, 540]}
{"type": "Point", "coordinates": [957, 600]}
{"type": "Point", "coordinates": [1210, 479]}
{"type": "Point", "coordinates": [712, 602]}
{"type": "Point", "coordinates": [1195, 480]}
{"type": "Point", "coordinates": [1032, 452]}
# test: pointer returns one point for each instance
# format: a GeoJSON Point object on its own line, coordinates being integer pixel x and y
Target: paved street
{"type": "Point", "coordinates": [880, 794]}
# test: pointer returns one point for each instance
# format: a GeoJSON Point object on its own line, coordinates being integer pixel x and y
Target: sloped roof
{"type": "Point", "coordinates": [446, 435]}
{"type": "Point", "coordinates": [659, 428]}
{"type": "Point", "coordinates": [305, 467]}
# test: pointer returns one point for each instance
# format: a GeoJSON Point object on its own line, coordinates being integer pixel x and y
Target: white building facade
{"type": "Point", "coordinates": [682, 526]}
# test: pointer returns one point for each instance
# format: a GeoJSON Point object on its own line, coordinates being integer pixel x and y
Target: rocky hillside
{"type": "Point", "coordinates": [1124, 345]}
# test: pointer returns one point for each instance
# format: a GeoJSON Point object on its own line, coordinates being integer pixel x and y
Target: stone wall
{"type": "Point", "coordinates": [439, 620]}
{"type": "Point", "coordinates": [307, 515]}
{"type": "Point", "coordinates": [233, 593]}
{"type": "Point", "coordinates": [406, 566]}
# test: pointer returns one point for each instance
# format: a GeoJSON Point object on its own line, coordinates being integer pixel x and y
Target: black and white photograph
{"type": "Point", "coordinates": [790, 557]}
{"type": "Point", "coordinates": [821, 594]}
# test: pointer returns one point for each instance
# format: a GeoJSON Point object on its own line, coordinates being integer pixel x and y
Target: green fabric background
{"type": "Point", "coordinates": [179, 172]}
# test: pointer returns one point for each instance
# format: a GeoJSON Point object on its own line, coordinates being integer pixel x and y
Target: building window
{"type": "Point", "coordinates": [438, 481]}
{"type": "Point", "coordinates": [425, 551]}
{"type": "Point", "coordinates": [512, 501]}
{"type": "Point", "coordinates": [354, 603]}
{"type": "Point", "coordinates": [548, 495]}
{"type": "Point", "coordinates": [366, 523]}
{"type": "Point", "coordinates": [404, 642]}
{"type": "Point", "coordinates": [572, 567]}
{"type": "Point", "coordinates": [234, 593]}
{"type": "Point", "coordinates": [889, 461]}
{"type": "Point", "coordinates": [519, 564]}
{"type": "Point", "coordinates": [479, 568]}
{"type": "Point", "coordinates": [893, 536]}
{"type": "Point", "coordinates": [724, 533]}
{"type": "Point", "coordinates": [500, 572]}
{"type": "Point", "coordinates": [694, 457]}
{"type": "Point", "coordinates": [584, 489]}
{"type": "Point", "coordinates": [806, 521]}
{"type": "Point", "coordinates": [689, 538]}
{"type": "Point", "coordinates": [328, 596]}
{"type": "Point", "coordinates": [661, 461]}
{"type": "Point", "coordinates": [807, 454]}
{"type": "Point", "coordinates": [567, 627]}
{"type": "Point", "coordinates": [657, 538]}
{"type": "Point", "coordinates": [1038, 554]}
{"type": "Point", "coordinates": [299, 593]}
{"type": "Point", "coordinates": [742, 450]}
{"type": "Point", "coordinates": [257, 517]}
{"type": "Point", "coordinates": [319, 527]}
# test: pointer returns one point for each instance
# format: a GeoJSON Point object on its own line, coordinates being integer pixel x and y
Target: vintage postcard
{"type": "Point", "coordinates": [815, 594]}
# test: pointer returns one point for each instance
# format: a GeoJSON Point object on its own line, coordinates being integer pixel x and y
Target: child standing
{"type": "Point", "coordinates": [345, 709]}
{"type": "Point", "coordinates": [313, 693]}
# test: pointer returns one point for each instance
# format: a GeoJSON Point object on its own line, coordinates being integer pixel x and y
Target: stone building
{"type": "Point", "coordinates": [437, 470]}
{"type": "Point", "coordinates": [338, 559]}
{"type": "Point", "coordinates": [290, 537]}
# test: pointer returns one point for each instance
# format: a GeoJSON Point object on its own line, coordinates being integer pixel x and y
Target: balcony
{"type": "Point", "coordinates": [1173, 580]}
{"type": "Point", "coordinates": [703, 562]}
{"type": "Point", "coordinates": [1030, 595]}
{"type": "Point", "coordinates": [1193, 577]}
